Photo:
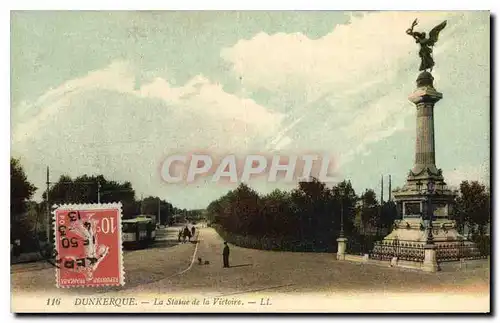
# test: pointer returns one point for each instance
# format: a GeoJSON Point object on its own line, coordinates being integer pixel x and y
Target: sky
{"type": "Point", "coordinates": [114, 93]}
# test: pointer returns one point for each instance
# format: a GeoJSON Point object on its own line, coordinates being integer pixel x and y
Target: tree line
{"type": "Point", "coordinates": [313, 213]}
{"type": "Point", "coordinates": [28, 217]}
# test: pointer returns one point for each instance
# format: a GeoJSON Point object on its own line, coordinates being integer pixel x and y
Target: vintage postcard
{"type": "Point", "coordinates": [250, 161]}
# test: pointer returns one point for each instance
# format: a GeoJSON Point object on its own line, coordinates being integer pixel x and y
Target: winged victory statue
{"type": "Point", "coordinates": [426, 44]}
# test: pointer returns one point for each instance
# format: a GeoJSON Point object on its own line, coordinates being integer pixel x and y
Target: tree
{"type": "Point", "coordinates": [389, 214]}
{"type": "Point", "coordinates": [309, 202]}
{"type": "Point", "coordinates": [345, 196]}
{"type": "Point", "coordinates": [149, 206]}
{"type": "Point", "coordinates": [319, 211]}
{"type": "Point", "coordinates": [32, 227]}
{"type": "Point", "coordinates": [167, 211]}
{"type": "Point", "coordinates": [21, 190]}
{"type": "Point", "coordinates": [369, 211]}
{"type": "Point", "coordinates": [275, 217]}
{"type": "Point", "coordinates": [85, 189]}
{"type": "Point", "coordinates": [244, 206]}
{"type": "Point", "coordinates": [472, 206]}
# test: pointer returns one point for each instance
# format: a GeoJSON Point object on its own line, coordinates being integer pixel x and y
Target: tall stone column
{"type": "Point", "coordinates": [424, 98]}
{"type": "Point", "coordinates": [414, 202]}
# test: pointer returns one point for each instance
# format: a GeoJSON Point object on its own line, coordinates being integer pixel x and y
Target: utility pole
{"type": "Point", "coordinates": [382, 190]}
{"type": "Point", "coordinates": [390, 193]}
{"type": "Point", "coordinates": [159, 211]}
{"type": "Point", "coordinates": [342, 218]}
{"type": "Point", "coordinates": [98, 191]}
{"type": "Point", "coordinates": [48, 206]}
{"type": "Point", "coordinates": [381, 203]}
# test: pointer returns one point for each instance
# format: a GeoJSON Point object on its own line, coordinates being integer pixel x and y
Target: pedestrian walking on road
{"type": "Point", "coordinates": [193, 230]}
{"type": "Point", "coordinates": [225, 255]}
{"type": "Point", "coordinates": [187, 234]}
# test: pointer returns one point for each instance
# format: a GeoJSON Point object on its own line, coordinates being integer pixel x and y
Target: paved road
{"type": "Point", "coordinates": [286, 272]}
{"type": "Point", "coordinates": [170, 269]}
{"type": "Point", "coordinates": [142, 266]}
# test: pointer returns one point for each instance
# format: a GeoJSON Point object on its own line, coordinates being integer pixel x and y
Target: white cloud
{"type": "Point", "coordinates": [378, 121]}
{"type": "Point", "coordinates": [200, 95]}
{"type": "Point", "coordinates": [480, 173]}
{"type": "Point", "coordinates": [356, 69]}
{"type": "Point", "coordinates": [100, 124]}
{"type": "Point", "coordinates": [36, 115]}
{"type": "Point", "coordinates": [366, 49]}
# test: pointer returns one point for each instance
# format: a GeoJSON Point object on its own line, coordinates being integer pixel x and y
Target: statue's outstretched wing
{"type": "Point", "coordinates": [434, 33]}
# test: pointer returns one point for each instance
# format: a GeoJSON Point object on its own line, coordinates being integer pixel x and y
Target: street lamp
{"type": "Point", "coordinates": [341, 219]}
{"type": "Point", "coordinates": [429, 190]}
{"type": "Point", "coordinates": [343, 195]}
{"type": "Point", "coordinates": [349, 209]}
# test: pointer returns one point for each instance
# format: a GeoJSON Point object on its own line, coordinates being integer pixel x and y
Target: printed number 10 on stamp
{"type": "Point", "coordinates": [88, 245]}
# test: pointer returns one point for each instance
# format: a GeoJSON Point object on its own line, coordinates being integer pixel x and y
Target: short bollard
{"type": "Point", "coordinates": [341, 248]}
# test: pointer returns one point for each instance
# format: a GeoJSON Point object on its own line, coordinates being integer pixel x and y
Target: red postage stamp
{"type": "Point", "coordinates": [88, 245]}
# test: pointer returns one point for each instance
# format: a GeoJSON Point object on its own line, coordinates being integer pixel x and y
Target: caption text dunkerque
{"type": "Point", "coordinates": [160, 301]}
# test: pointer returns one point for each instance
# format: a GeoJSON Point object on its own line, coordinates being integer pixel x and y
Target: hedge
{"type": "Point", "coordinates": [272, 243]}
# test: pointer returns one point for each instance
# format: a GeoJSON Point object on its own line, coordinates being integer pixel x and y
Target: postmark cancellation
{"type": "Point", "coordinates": [88, 245]}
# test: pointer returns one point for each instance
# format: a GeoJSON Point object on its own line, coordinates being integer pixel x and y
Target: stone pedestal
{"type": "Point", "coordinates": [341, 248]}
{"type": "Point", "coordinates": [415, 230]}
{"type": "Point", "coordinates": [430, 260]}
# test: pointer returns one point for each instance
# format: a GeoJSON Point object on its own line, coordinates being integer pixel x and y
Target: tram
{"type": "Point", "coordinates": [138, 232]}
